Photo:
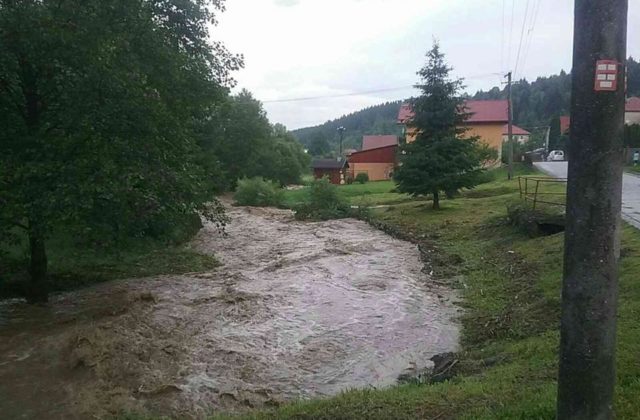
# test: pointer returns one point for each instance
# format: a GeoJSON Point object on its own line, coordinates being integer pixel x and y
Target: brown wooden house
{"type": "Point", "coordinates": [334, 169]}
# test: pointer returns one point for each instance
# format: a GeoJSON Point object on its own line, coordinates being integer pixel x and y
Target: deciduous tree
{"type": "Point", "coordinates": [99, 103]}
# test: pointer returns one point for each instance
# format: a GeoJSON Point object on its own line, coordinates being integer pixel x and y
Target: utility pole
{"type": "Point", "coordinates": [546, 141]}
{"type": "Point", "coordinates": [592, 239]}
{"type": "Point", "coordinates": [510, 129]}
{"type": "Point", "coordinates": [341, 130]}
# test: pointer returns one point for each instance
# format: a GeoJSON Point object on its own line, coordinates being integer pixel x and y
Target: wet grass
{"type": "Point", "coordinates": [74, 264]}
{"type": "Point", "coordinates": [370, 193]}
{"type": "Point", "coordinates": [632, 169]}
{"type": "Point", "coordinates": [511, 296]}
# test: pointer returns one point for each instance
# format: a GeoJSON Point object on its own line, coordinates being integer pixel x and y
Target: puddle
{"type": "Point", "coordinates": [298, 310]}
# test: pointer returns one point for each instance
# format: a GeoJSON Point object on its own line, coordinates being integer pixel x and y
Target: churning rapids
{"type": "Point", "coordinates": [297, 310]}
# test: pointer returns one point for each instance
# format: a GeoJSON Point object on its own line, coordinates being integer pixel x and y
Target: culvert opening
{"type": "Point", "coordinates": [548, 229]}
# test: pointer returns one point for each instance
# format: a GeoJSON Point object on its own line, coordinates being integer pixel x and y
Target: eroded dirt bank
{"type": "Point", "coordinates": [298, 310]}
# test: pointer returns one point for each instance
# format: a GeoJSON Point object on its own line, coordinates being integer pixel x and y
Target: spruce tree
{"type": "Point", "coordinates": [442, 158]}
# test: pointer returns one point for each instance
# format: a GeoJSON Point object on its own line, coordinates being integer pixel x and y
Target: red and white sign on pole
{"type": "Point", "coordinates": [606, 76]}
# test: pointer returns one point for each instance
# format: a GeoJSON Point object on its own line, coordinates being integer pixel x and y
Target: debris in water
{"type": "Point", "coordinates": [298, 310]}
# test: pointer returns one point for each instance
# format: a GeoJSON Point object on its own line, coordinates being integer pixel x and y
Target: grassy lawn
{"type": "Point", "coordinates": [632, 169]}
{"type": "Point", "coordinates": [511, 289]}
{"type": "Point", "coordinates": [73, 264]}
{"type": "Point", "coordinates": [370, 193]}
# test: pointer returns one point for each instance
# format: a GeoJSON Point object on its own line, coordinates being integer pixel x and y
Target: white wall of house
{"type": "Point", "coordinates": [632, 118]}
{"type": "Point", "coordinates": [521, 139]}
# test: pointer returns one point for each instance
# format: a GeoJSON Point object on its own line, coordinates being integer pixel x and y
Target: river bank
{"type": "Point", "coordinates": [296, 311]}
{"type": "Point", "coordinates": [510, 284]}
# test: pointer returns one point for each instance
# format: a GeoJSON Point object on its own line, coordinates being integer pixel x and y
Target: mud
{"type": "Point", "coordinates": [298, 310]}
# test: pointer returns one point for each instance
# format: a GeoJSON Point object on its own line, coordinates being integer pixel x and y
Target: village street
{"type": "Point", "coordinates": [630, 189]}
{"type": "Point", "coordinates": [297, 310]}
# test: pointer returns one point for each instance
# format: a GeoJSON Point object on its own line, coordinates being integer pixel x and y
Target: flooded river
{"type": "Point", "coordinates": [298, 310]}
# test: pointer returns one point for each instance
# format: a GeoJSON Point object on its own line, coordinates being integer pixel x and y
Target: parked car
{"type": "Point", "coordinates": [555, 155]}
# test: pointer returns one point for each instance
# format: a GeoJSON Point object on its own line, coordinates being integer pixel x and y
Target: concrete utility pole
{"type": "Point", "coordinates": [592, 240]}
{"type": "Point", "coordinates": [510, 129]}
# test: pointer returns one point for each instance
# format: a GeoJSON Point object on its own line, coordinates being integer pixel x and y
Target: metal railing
{"type": "Point", "coordinates": [534, 189]}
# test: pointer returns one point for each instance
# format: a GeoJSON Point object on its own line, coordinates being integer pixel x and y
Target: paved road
{"type": "Point", "coordinates": [630, 190]}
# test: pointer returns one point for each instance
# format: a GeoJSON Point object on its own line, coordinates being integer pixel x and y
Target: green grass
{"type": "Point", "coordinates": [632, 169]}
{"type": "Point", "coordinates": [73, 264]}
{"type": "Point", "coordinates": [370, 193]}
{"type": "Point", "coordinates": [511, 296]}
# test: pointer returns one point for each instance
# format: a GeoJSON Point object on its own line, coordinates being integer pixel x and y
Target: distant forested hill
{"type": "Point", "coordinates": [379, 119]}
{"type": "Point", "coordinates": [535, 103]}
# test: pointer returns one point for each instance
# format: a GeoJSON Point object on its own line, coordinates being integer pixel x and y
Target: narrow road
{"type": "Point", "coordinates": [630, 190]}
{"type": "Point", "coordinates": [298, 310]}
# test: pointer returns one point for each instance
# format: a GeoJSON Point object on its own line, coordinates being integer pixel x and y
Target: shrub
{"type": "Point", "coordinates": [324, 203]}
{"type": "Point", "coordinates": [258, 192]}
{"type": "Point", "coordinates": [362, 178]}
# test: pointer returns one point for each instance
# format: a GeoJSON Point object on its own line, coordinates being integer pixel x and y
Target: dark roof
{"type": "Point", "coordinates": [374, 142]}
{"type": "Point", "coordinates": [515, 130]}
{"type": "Point", "coordinates": [480, 111]}
{"type": "Point", "coordinates": [328, 163]}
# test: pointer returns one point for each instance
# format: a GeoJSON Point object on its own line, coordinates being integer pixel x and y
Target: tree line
{"type": "Point", "coordinates": [535, 104]}
{"type": "Point", "coordinates": [117, 121]}
{"type": "Point", "coordinates": [323, 140]}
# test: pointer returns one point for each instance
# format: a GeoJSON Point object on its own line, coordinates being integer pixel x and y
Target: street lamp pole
{"type": "Point", "coordinates": [341, 130]}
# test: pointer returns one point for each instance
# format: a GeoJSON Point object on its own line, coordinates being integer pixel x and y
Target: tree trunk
{"type": "Point", "coordinates": [37, 290]}
{"type": "Point", "coordinates": [436, 201]}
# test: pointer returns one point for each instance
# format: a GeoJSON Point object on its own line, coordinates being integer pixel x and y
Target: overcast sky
{"type": "Point", "coordinates": [309, 48]}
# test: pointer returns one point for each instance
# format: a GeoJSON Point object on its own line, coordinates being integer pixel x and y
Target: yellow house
{"type": "Point", "coordinates": [486, 120]}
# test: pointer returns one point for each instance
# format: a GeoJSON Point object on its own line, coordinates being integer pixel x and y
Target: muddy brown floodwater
{"type": "Point", "coordinates": [298, 310]}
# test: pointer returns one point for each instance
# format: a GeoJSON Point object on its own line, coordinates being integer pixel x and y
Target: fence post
{"type": "Point", "coordinates": [520, 186]}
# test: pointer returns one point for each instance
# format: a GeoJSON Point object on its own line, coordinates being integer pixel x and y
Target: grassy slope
{"type": "Point", "coordinates": [510, 328]}
{"type": "Point", "coordinates": [72, 264]}
{"type": "Point", "coordinates": [371, 193]}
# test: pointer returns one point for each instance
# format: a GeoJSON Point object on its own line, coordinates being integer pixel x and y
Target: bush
{"type": "Point", "coordinates": [324, 203]}
{"type": "Point", "coordinates": [258, 192]}
{"type": "Point", "coordinates": [362, 178]}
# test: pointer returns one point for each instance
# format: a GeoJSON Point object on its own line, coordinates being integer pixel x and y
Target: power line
{"type": "Point", "coordinates": [513, 9]}
{"type": "Point", "coordinates": [504, 2]}
{"type": "Point", "coordinates": [312, 98]}
{"type": "Point", "coordinates": [524, 24]}
{"type": "Point", "coordinates": [365, 92]}
{"type": "Point", "coordinates": [534, 20]}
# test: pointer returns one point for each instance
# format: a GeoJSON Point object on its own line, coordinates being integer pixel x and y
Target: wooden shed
{"type": "Point", "coordinates": [334, 169]}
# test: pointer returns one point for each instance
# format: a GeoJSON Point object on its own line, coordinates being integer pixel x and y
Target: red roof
{"type": "Point", "coordinates": [487, 111]}
{"type": "Point", "coordinates": [481, 111]}
{"type": "Point", "coordinates": [633, 104]}
{"type": "Point", "coordinates": [565, 123]}
{"type": "Point", "coordinates": [374, 142]}
{"type": "Point", "coordinates": [515, 130]}
{"type": "Point", "coordinates": [385, 154]}
{"type": "Point", "coordinates": [405, 114]}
